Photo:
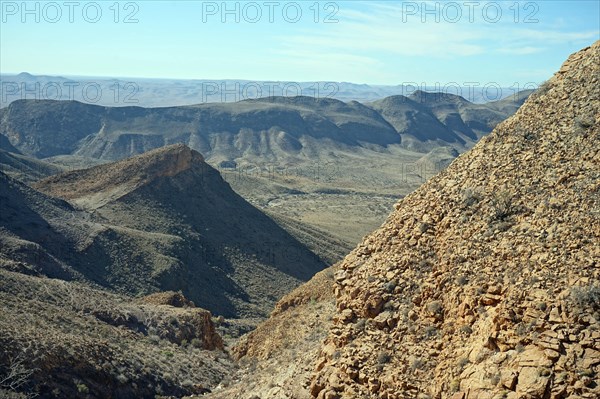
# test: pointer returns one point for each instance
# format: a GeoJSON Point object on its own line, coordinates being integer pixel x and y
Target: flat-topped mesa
{"type": "Point", "coordinates": [123, 176]}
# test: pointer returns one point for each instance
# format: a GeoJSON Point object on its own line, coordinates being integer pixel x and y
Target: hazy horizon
{"type": "Point", "coordinates": [375, 43]}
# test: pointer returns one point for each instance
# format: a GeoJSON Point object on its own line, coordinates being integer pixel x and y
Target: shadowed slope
{"type": "Point", "coordinates": [187, 230]}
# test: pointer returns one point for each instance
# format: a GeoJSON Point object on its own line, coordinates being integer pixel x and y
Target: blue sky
{"type": "Point", "coordinates": [374, 42]}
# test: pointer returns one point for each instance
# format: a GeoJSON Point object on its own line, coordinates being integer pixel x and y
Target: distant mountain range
{"type": "Point", "coordinates": [161, 218]}
{"type": "Point", "coordinates": [172, 92]}
{"type": "Point", "coordinates": [277, 129]}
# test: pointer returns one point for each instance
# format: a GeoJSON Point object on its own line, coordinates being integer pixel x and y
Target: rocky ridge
{"type": "Point", "coordinates": [120, 178]}
{"type": "Point", "coordinates": [485, 282]}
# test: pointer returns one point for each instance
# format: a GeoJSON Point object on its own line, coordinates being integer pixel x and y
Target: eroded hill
{"type": "Point", "coordinates": [164, 220]}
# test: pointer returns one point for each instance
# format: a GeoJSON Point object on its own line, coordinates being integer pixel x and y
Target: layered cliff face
{"type": "Point", "coordinates": [485, 282]}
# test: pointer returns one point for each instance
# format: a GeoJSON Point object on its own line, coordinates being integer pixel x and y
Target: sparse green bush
{"type": "Point", "coordinates": [430, 332]}
{"type": "Point", "coordinates": [495, 379]}
{"type": "Point", "coordinates": [383, 358]}
{"type": "Point", "coordinates": [584, 122]}
{"type": "Point", "coordinates": [417, 364]}
{"type": "Point", "coordinates": [527, 135]}
{"type": "Point", "coordinates": [155, 339]}
{"type": "Point", "coordinates": [543, 88]}
{"type": "Point", "coordinates": [470, 197]}
{"type": "Point", "coordinates": [519, 348]}
{"type": "Point", "coordinates": [502, 205]}
{"type": "Point", "coordinates": [16, 373]}
{"type": "Point", "coordinates": [454, 386]}
{"type": "Point", "coordinates": [534, 280]}
{"type": "Point", "coordinates": [360, 324]}
{"type": "Point", "coordinates": [390, 286]}
{"type": "Point", "coordinates": [461, 280]}
{"type": "Point", "coordinates": [587, 297]}
{"type": "Point", "coordinates": [388, 306]}
{"type": "Point", "coordinates": [466, 329]}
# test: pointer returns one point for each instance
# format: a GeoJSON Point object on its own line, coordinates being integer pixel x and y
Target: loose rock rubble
{"type": "Point", "coordinates": [485, 282]}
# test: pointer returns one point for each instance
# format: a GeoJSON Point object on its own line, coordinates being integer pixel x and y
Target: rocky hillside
{"type": "Point", "coordinates": [164, 220]}
{"type": "Point", "coordinates": [26, 169]}
{"type": "Point", "coordinates": [64, 339]}
{"type": "Point", "coordinates": [485, 282]}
